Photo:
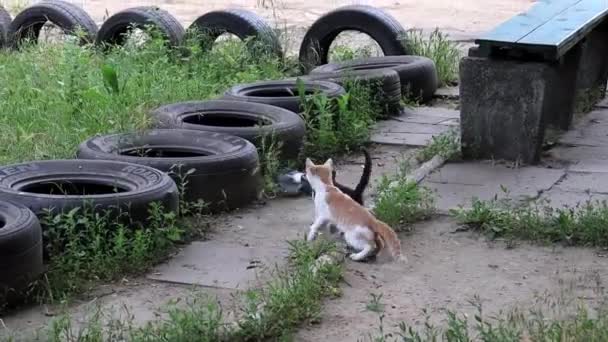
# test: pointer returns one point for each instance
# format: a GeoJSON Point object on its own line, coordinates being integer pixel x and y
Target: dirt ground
{"type": "Point", "coordinates": [460, 18]}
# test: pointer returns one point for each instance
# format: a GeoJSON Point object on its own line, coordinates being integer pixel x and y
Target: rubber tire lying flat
{"type": "Point", "coordinates": [20, 250]}
{"type": "Point", "coordinates": [379, 25]}
{"type": "Point", "coordinates": [286, 127]}
{"type": "Point", "coordinates": [143, 186]}
{"type": "Point", "coordinates": [225, 168]}
{"type": "Point", "coordinates": [5, 23]}
{"type": "Point", "coordinates": [113, 30]}
{"type": "Point", "coordinates": [242, 23]}
{"type": "Point", "coordinates": [285, 92]}
{"type": "Point", "coordinates": [69, 17]}
{"type": "Point", "coordinates": [418, 74]}
{"type": "Point", "coordinates": [384, 83]}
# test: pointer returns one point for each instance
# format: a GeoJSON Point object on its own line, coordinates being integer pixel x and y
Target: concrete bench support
{"type": "Point", "coordinates": [593, 70]}
{"type": "Point", "coordinates": [505, 105]}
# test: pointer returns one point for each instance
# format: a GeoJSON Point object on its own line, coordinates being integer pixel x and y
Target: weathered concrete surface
{"type": "Point", "coordinates": [223, 265]}
{"type": "Point", "coordinates": [457, 184]}
{"type": "Point", "coordinates": [415, 126]}
{"type": "Point", "coordinates": [502, 109]}
{"type": "Point", "coordinates": [449, 92]}
{"type": "Point", "coordinates": [557, 198]}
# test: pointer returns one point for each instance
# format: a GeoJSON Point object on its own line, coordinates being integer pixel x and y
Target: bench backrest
{"type": "Point", "coordinates": [547, 30]}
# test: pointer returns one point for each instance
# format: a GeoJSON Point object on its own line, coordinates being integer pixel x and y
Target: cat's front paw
{"type": "Point", "coordinates": [354, 257]}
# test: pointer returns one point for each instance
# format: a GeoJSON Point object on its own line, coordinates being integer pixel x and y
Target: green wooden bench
{"type": "Point", "coordinates": [527, 73]}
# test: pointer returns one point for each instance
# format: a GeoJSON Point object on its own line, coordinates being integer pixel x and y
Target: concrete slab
{"type": "Point", "coordinates": [580, 153]}
{"type": "Point", "coordinates": [457, 184]}
{"type": "Point", "coordinates": [447, 92]}
{"type": "Point", "coordinates": [484, 173]}
{"type": "Point", "coordinates": [405, 139]}
{"type": "Point", "coordinates": [393, 126]}
{"type": "Point", "coordinates": [590, 165]}
{"type": "Point", "coordinates": [559, 199]}
{"type": "Point", "coordinates": [584, 182]}
{"type": "Point", "coordinates": [603, 103]}
{"type": "Point", "coordinates": [219, 264]}
{"type": "Point", "coordinates": [415, 126]}
{"type": "Point", "coordinates": [433, 111]}
{"type": "Point", "coordinates": [592, 130]}
{"type": "Point", "coordinates": [453, 196]}
{"type": "Point", "coordinates": [422, 119]}
{"type": "Point", "coordinates": [450, 122]}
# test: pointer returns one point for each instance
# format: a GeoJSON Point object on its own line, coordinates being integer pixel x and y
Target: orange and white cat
{"type": "Point", "coordinates": [362, 231]}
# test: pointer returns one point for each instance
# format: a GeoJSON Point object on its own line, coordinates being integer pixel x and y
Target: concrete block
{"type": "Point", "coordinates": [560, 96]}
{"type": "Point", "coordinates": [593, 71]}
{"type": "Point", "coordinates": [502, 109]}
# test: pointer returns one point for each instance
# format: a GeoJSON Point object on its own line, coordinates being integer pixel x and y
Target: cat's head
{"type": "Point", "coordinates": [321, 173]}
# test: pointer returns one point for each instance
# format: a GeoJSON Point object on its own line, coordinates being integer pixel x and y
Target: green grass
{"type": "Point", "coordinates": [401, 201]}
{"type": "Point", "coordinates": [375, 303]}
{"type": "Point", "coordinates": [446, 145]}
{"type": "Point", "coordinates": [293, 297]}
{"type": "Point", "coordinates": [56, 96]}
{"type": "Point", "coordinates": [585, 224]}
{"type": "Point", "coordinates": [343, 53]}
{"type": "Point", "coordinates": [513, 326]}
{"type": "Point", "coordinates": [269, 152]}
{"type": "Point", "coordinates": [337, 126]}
{"type": "Point", "coordinates": [440, 49]}
{"type": "Point", "coordinates": [85, 248]}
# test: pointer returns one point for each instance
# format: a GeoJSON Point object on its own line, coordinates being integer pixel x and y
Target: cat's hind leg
{"type": "Point", "coordinates": [362, 240]}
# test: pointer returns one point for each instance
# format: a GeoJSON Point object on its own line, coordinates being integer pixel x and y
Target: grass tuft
{"type": "Point", "coordinates": [513, 326]}
{"type": "Point", "coordinates": [585, 224]}
{"type": "Point", "coordinates": [85, 248]}
{"type": "Point", "coordinates": [341, 125]}
{"type": "Point", "coordinates": [440, 49]}
{"type": "Point", "coordinates": [446, 145]}
{"type": "Point", "coordinates": [401, 201]}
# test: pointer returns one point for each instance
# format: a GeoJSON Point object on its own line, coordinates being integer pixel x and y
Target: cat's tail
{"type": "Point", "coordinates": [389, 237]}
{"type": "Point", "coordinates": [367, 171]}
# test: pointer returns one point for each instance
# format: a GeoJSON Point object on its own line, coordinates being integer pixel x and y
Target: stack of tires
{"type": "Point", "coordinates": [203, 150]}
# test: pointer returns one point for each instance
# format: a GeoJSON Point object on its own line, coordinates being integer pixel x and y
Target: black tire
{"type": "Point", "coordinates": [5, 23]}
{"type": "Point", "coordinates": [20, 250]}
{"type": "Point", "coordinates": [242, 23]}
{"type": "Point", "coordinates": [418, 74]}
{"type": "Point", "coordinates": [237, 118]}
{"type": "Point", "coordinates": [384, 83]}
{"type": "Point", "coordinates": [42, 185]}
{"type": "Point", "coordinates": [282, 94]}
{"type": "Point", "coordinates": [69, 17]}
{"type": "Point", "coordinates": [113, 30]}
{"type": "Point", "coordinates": [379, 25]}
{"type": "Point", "coordinates": [225, 168]}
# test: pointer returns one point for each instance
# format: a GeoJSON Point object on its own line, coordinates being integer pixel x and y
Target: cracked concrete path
{"type": "Point", "coordinates": [574, 172]}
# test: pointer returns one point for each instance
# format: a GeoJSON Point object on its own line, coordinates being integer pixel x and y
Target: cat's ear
{"type": "Point", "coordinates": [329, 163]}
{"type": "Point", "coordinates": [309, 163]}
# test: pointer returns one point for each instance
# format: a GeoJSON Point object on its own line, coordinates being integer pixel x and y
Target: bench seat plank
{"type": "Point", "coordinates": [516, 28]}
{"type": "Point", "coordinates": [566, 29]}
